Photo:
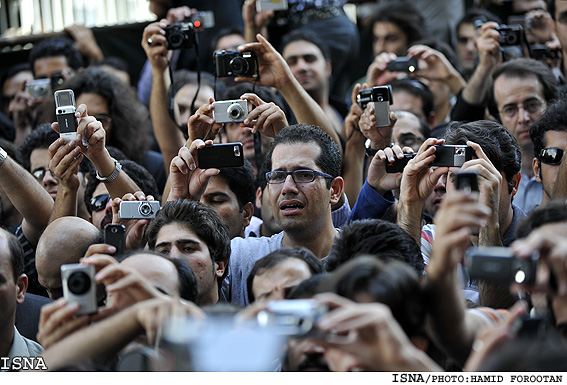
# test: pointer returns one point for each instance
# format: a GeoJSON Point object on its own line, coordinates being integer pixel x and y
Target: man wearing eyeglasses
{"type": "Point", "coordinates": [303, 182]}
{"type": "Point", "coordinates": [549, 136]}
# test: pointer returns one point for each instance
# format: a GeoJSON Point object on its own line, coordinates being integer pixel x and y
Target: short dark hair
{"type": "Point", "coordinates": [183, 77]}
{"type": "Point", "coordinates": [554, 119]}
{"type": "Point", "coordinates": [392, 283]}
{"type": "Point", "coordinates": [474, 14]}
{"type": "Point", "coordinates": [139, 175]}
{"type": "Point", "coordinates": [499, 145]}
{"type": "Point", "coordinates": [552, 212]}
{"type": "Point", "coordinates": [205, 222]}
{"type": "Point", "coordinates": [404, 14]}
{"type": "Point", "coordinates": [417, 89]}
{"type": "Point", "coordinates": [58, 46]}
{"type": "Point", "coordinates": [40, 138]}
{"type": "Point", "coordinates": [379, 238]}
{"type": "Point", "coordinates": [225, 32]}
{"type": "Point", "coordinates": [278, 256]}
{"type": "Point", "coordinates": [309, 36]}
{"type": "Point", "coordinates": [522, 68]}
{"type": "Point", "coordinates": [16, 253]}
{"type": "Point", "coordinates": [11, 72]}
{"type": "Point", "coordinates": [329, 161]}
{"type": "Point", "coordinates": [241, 181]}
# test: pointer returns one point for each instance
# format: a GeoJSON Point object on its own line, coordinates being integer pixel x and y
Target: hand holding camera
{"type": "Point", "coordinates": [488, 45]}
{"type": "Point", "coordinates": [134, 211]}
{"type": "Point", "coordinates": [435, 66]}
{"type": "Point", "coordinates": [57, 320]}
{"type": "Point", "coordinates": [156, 52]}
{"type": "Point", "coordinates": [267, 118]}
{"type": "Point", "coordinates": [200, 122]}
{"type": "Point", "coordinates": [384, 173]}
{"type": "Point", "coordinates": [64, 161]}
{"type": "Point", "coordinates": [377, 120]}
{"type": "Point", "coordinates": [378, 73]}
{"type": "Point", "coordinates": [186, 178]}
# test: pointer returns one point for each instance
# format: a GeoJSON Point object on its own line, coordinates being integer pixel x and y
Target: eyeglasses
{"type": "Point", "coordinates": [551, 155]}
{"type": "Point", "coordinates": [104, 119]}
{"type": "Point", "coordinates": [99, 202]}
{"type": "Point", "coordinates": [39, 173]}
{"type": "Point", "coordinates": [299, 176]}
{"type": "Point", "coordinates": [409, 140]}
{"type": "Point", "coordinates": [532, 106]}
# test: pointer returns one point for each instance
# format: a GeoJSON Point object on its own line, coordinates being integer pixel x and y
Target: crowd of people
{"type": "Point", "coordinates": [346, 240]}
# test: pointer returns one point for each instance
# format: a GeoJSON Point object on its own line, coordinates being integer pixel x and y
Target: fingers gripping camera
{"type": "Point", "coordinates": [79, 286]}
{"type": "Point", "coordinates": [138, 209]}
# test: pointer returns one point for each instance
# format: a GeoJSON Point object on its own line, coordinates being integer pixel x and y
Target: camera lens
{"type": "Point", "coordinates": [79, 283]}
{"type": "Point", "coordinates": [145, 209]}
{"type": "Point", "coordinates": [511, 39]}
{"type": "Point", "coordinates": [239, 66]}
{"type": "Point", "coordinates": [113, 230]}
{"type": "Point", "coordinates": [175, 40]}
{"type": "Point", "coordinates": [235, 112]}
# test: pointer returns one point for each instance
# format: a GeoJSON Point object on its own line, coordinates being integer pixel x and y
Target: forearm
{"type": "Point", "coordinates": [304, 107]}
{"type": "Point", "coordinates": [28, 197]}
{"type": "Point", "coordinates": [456, 82]}
{"type": "Point", "coordinates": [104, 338]}
{"type": "Point", "coordinates": [476, 90]}
{"type": "Point", "coordinates": [65, 203]}
{"type": "Point", "coordinates": [409, 218]}
{"type": "Point", "coordinates": [167, 134]}
{"type": "Point", "coordinates": [489, 234]}
{"type": "Point", "coordinates": [353, 165]}
{"type": "Point", "coordinates": [120, 186]}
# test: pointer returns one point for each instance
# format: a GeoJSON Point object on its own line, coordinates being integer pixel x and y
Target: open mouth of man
{"type": "Point", "coordinates": [291, 207]}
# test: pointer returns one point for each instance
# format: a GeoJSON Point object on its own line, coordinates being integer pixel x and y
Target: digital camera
{"type": "Point", "coordinates": [451, 155]}
{"type": "Point", "coordinates": [79, 286]}
{"type": "Point", "coordinates": [65, 112]}
{"type": "Point", "coordinates": [403, 64]}
{"type": "Point", "coordinates": [510, 34]}
{"type": "Point", "coordinates": [499, 264]}
{"type": "Point", "coordinates": [230, 111]}
{"type": "Point", "coordinates": [39, 88]}
{"type": "Point", "coordinates": [235, 63]}
{"type": "Point", "coordinates": [180, 35]}
{"type": "Point", "coordinates": [138, 209]}
{"type": "Point", "coordinates": [293, 317]}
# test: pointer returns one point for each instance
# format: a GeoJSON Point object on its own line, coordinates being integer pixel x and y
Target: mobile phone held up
{"type": "Point", "coordinates": [221, 155]}
{"type": "Point", "coordinates": [114, 235]}
{"type": "Point", "coordinates": [65, 112]}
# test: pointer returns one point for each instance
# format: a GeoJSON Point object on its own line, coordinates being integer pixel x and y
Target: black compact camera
{"type": "Point", "coordinates": [451, 155]}
{"type": "Point", "coordinates": [510, 34]}
{"type": "Point", "coordinates": [541, 52]}
{"type": "Point", "coordinates": [180, 35]}
{"type": "Point", "coordinates": [235, 63]}
{"type": "Point", "coordinates": [500, 265]}
{"type": "Point", "coordinates": [398, 165]}
{"type": "Point", "coordinates": [403, 64]}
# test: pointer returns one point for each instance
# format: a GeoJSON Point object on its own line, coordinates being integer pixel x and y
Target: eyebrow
{"type": "Point", "coordinates": [216, 194]}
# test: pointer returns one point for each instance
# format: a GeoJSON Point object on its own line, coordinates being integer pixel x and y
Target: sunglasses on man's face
{"type": "Point", "coordinates": [551, 155]}
{"type": "Point", "coordinates": [99, 202]}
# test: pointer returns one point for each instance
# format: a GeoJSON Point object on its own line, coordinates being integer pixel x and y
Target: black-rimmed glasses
{"type": "Point", "coordinates": [299, 176]}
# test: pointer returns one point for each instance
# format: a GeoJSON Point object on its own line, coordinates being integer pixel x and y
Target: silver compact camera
{"type": "Point", "coordinates": [79, 286]}
{"type": "Point", "coordinates": [65, 112]}
{"type": "Point", "coordinates": [230, 111]}
{"type": "Point", "coordinates": [40, 88]}
{"type": "Point", "coordinates": [138, 209]}
{"type": "Point", "coordinates": [293, 317]}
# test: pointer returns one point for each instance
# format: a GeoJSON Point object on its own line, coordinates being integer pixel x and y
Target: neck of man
{"type": "Point", "coordinates": [441, 113]}
{"type": "Point", "coordinates": [507, 220]}
{"type": "Point", "coordinates": [7, 337]}
{"type": "Point", "coordinates": [319, 240]}
{"type": "Point", "coordinates": [527, 157]}
{"type": "Point", "coordinates": [209, 298]}
{"type": "Point", "coordinates": [320, 95]}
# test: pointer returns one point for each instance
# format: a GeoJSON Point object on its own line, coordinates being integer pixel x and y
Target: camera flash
{"type": "Point", "coordinates": [411, 69]}
{"type": "Point", "coordinates": [520, 276]}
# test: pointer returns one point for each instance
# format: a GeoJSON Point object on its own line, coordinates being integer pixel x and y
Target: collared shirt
{"type": "Point", "coordinates": [22, 347]}
{"type": "Point", "coordinates": [529, 195]}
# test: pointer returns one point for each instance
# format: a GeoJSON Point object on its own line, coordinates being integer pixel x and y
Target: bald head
{"type": "Point", "coordinates": [64, 241]}
{"type": "Point", "coordinates": [159, 271]}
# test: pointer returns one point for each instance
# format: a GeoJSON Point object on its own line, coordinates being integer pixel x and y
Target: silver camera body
{"type": "Point", "coordinates": [65, 112]}
{"type": "Point", "coordinates": [230, 111]}
{"type": "Point", "coordinates": [293, 317]}
{"type": "Point", "coordinates": [138, 209]}
{"type": "Point", "coordinates": [79, 286]}
{"type": "Point", "coordinates": [39, 88]}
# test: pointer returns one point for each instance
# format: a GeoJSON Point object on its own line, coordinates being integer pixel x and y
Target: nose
{"type": "Point", "coordinates": [523, 115]}
{"type": "Point", "coordinates": [312, 346]}
{"type": "Point", "coordinates": [174, 253]}
{"type": "Point", "coordinates": [378, 47]}
{"type": "Point", "coordinates": [470, 45]}
{"type": "Point", "coordinates": [440, 186]}
{"type": "Point", "coordinates": [289, 186]}
{"type": "Point", "coordinates": [108, 208]}
{"type": "Point", "coordinates": [48, 179]}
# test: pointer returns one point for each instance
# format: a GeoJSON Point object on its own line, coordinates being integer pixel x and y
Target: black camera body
{"type": "Point", "coordinates": [235, 63]}
{"type": "Point", "coordinates": [510, 35]}
{"type": "Point", "coordinates": [541, 52]}
{"type": "Point", "coordinates": [451, 155]}
{"type": "Point", "coordinates": [500, 265]}
{"type": "Point", "coordinates": [180, 35]}
{"type": "Point", "coordinates": [403, 64]}
{"type": "Point", "coordinates": [398, 165]}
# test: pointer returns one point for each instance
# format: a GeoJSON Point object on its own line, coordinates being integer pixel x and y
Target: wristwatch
{"type": "Point", "coordinates": [111, 177]}
{"type": "Point", "coordinates": [3, 155]}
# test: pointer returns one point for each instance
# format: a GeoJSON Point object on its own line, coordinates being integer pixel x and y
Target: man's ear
{"type": "Point", "coordinates": [536, 166]}
{"type": "Point", "coordinates": [259, 197]}
{"type": "Point", "coordinates": [21, 288]}
{"type": "Point", "coordinates": [516, 183]}
{"type": "Point", "coordinates": [337, 187]}
{"type": "Point", "coordinates": [220, 267]}
{"type": "Point", "coordinates": [247, 212]}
